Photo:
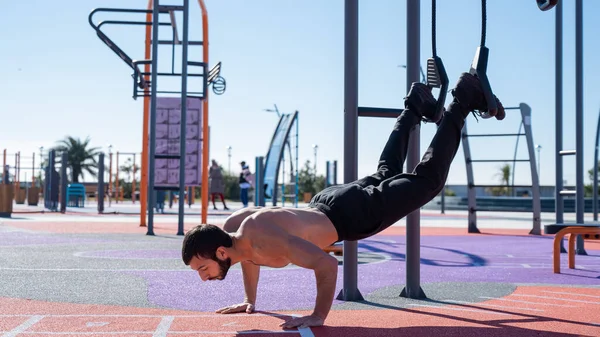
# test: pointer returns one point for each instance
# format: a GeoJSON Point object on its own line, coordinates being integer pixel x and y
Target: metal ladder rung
{"type": "Point", "coordinates": [167, 8]}
{"type": "Point", "coordinates": [497, 135]}
{"type": "Point", "coordinates": [567, 152]}
{"type": "Point", "coordinates": [568, 192]}
{"type": "Point", "coordinates": [495, 160]}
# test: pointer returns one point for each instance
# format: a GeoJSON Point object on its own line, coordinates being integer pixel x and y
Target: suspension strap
{"type": "Point", "coordinates": [436, 73]}
{"type": "Point", "coordinates": [479, 67]}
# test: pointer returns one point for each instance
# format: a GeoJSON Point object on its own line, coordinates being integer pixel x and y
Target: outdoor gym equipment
{"type": "Point", "coordinates": [146, 84]}
{"type": "Point", "coordinates": [479, 66]}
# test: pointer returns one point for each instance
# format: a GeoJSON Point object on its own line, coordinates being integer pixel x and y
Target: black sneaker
{"type": "Point", "coordinates": [421, 100]}
{"type": "Point", "coordinates": [469, 94]}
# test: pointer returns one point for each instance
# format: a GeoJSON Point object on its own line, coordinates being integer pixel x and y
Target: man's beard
{"type": "Point", "coordinates": [223, 267]}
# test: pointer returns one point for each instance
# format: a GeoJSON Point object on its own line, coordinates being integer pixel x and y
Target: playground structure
{"type": "Point", "coordinates": [578, 193]}
{"type": "Point", "coordinates": [268, 168]}
{"type": "Point", "coordinates": [172, 152]}
{"type": "Point", "coordinates": [535, 184]}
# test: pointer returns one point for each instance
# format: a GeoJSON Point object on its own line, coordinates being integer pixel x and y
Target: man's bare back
{"type": "Point", "coordinates": [274, 237]}
{"type": "Point", "coordinates": [307, 223]}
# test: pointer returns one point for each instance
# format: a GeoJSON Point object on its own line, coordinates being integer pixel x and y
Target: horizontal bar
{"type": "Point", "coordinates": [495, 160]}
{"type": "Point", "coordinates": [166, 8]}
{"type": "Point", "coordinates": [127, 153]}
{"type": "Point", "coordinates": [568, 192]}
{"type": "Point", "coordinates": [512, 108]}
{"type": "Point", "coordinates": [196, 63]}
{"type": "Point", "coordinates": [191, 43]}
{"type": "Point", "coordinates": [378, 112]}
{"type": "Point", "coordinates": [567, 152]}
{"type": "Point", "coordinates": [512, 186]}
{"type": "Point", "coordinates": [166, 188]}
{"type": "Point", "coordinates": [178, 92]}
{"type": "Point", "coordinates": [121, 10]}
{"type": "Point", "coordinates": [172, 74]}
{"type": "Point", "coordinates": [498, 135]}
{"type": "Point", "coordinates": [167, 156]}
{"type": "Point", "coordinates": [141, 23]}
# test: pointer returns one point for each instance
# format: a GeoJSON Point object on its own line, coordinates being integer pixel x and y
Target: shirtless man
{"type": "Point", "coordinates": [276, 237]}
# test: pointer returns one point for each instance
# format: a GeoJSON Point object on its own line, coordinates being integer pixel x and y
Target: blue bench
{"type": "Point", "coordinates": [75, 195]}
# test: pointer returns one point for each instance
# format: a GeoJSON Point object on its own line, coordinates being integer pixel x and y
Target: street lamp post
{"type": "Point", "coordinates": [538, 147]}
{"type": "Point", "coordinates": [423, 78]}
{"type": "Point", "coordinates": [229, 156]}
{"type": "Point", "coordinates": [315, 149]}
{"type": "Point", "coordinates": [109, 175]}
{"type": "Point", "coordinates": [276, 110]}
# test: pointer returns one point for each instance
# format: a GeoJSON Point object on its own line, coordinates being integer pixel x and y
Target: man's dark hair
{"type": "Point", "coordinates": [203, 241]}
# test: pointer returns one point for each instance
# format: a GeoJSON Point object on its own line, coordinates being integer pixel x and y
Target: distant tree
{"type": "Point", "coordinates": [504, 177]}
{"type": "Point", "coordinates": [80, 156]}
{"type": "Point", "coordinates": [308, 181]}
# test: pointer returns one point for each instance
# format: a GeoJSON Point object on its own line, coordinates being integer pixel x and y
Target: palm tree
{"type": "Point", "coordinates": [80, 157]}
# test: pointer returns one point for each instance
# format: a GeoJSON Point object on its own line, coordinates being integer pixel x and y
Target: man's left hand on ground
{"type": "Point", "coordinates": [302, 322]}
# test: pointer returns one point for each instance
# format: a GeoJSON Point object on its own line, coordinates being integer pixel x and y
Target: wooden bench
{"type": "Point", "coordinates": [587, 233]}
{"type": "Point", "coordinates": [337, 250]}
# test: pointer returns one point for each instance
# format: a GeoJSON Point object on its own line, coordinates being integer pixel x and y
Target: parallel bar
{"type": "Point", "coordinates": [350, 290]}
{"type": "Point", "coordinates": [499, 135]}
{"type": "Point", "coordinates": [183, 123]}
{"type": "Point", "coordinates": [558, 133]}
{"type": "Point", "coordinates": [413, 231]}
{"type": "Point", "coordinates": [152, 145]}
{"type": "Point", "coordinates": [580, 203]}
{"type": "Point", "coordinates": [379, 112]}
{"type": "Point", "coordinates": [567, 152]}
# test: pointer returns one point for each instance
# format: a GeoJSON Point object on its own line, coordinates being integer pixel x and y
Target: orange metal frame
{"type": "Point", "coordinates": [145, 131]}
{"type": "Point", "coordinates": [572, 232]}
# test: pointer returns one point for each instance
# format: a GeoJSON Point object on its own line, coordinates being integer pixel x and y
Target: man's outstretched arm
{"type": "Point", "coordinates": [273, 243]}
{"type": "Point", "coordinates": [250, 274]}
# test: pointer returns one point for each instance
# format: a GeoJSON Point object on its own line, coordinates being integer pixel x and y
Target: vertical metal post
{"type": "Point", "coordinates": [595, 182]}
{"type": "Point", "coordinates": [559, 210]}
{"type": "Point", "coordinates": [413, 231]}
{"type": "Point", "coordinates": [535, 180]}
{"type": "Point", "coordinates": [152, 143]}
{"type": "Point", "coordinates": [183, 120]}
{"type": "Point", "coordinates": [64, 162]}
{"type": "Point", "coordinates": [350, 290]}
{"type": "Point", "coordinates": [580, 204]}
{"type": "Point", "coordinates": [259, 178]}
{"type": "Point", "coordinates": [101, 183]}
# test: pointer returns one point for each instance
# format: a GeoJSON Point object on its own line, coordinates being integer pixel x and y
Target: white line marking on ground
{"type": "Point", "coordinates": [492, 305]}
{"type": "Point", "coordinates": [525, 265]}
{"type": "Point", "coordinates": [457, 309]}
{"type": "Point", "coordinates": [154, 316]}
{"type": "Point", "coordinates": [163, 327]}
{"type": "Point", "coordinates": [567, 293]}
{"type": "Point", "coordinates": [21, 328]}
{"type": "Point", "coordinates": [528, 302]}
{"type": "Point", "coordinates": [556, 298]}
{"type": "Point", "coordinates": [304, 332]}
{"type": "Point", "coordinates": [509, 255]}
{"type": "Point", "coordinates": [94, 324]}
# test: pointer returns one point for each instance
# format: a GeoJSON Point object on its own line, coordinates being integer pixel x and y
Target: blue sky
{"type": "Point", "coordinates": [57, 78]}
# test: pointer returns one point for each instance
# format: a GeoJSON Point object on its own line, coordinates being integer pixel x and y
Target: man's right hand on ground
{"type": "Point", "coordinates": [232, 309]}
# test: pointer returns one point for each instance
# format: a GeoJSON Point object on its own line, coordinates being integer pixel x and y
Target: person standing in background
{"type": "Point", "coordinates": [216, 184]}
{"type": "Point", "coordinates": [245, 183]}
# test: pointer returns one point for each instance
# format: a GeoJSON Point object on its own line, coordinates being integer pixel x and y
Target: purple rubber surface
{"type": "Point", "coordinates": [503, 259]}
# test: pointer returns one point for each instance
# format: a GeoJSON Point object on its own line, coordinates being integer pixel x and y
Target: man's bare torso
{"type": "Point", "coordinates": [307, 223]}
